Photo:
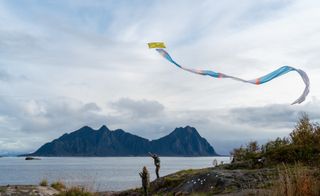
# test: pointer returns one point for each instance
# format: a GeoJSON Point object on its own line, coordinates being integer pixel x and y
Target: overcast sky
{"type": "Point", "coordinates": [65, 64]}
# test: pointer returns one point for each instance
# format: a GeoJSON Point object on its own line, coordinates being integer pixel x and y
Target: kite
{"type": "Point", "coordinates": [266, 78]}
{"type": "Point", "coordinates": [156, 45]}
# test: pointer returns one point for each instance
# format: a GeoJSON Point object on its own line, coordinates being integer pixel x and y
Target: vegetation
{"type": "Point", "coordinates": [302, 145]}
{"type": "Point", "coordinates": [60, 186]}
{"type": "Point", "coordinates": [76, 191]}
{"type": "Point", "coordinates": [298, 181]}
{"type": "Point", "coordinates": [72, 191]}
{"type": "Point", "coordinates": [44, 182]}
{"type": "Point", "coordinates": [297, 158]}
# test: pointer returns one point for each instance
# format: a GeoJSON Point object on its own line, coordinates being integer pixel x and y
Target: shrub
{"type": "Point", "coordinates": [248, 155]}
{"type": "Point", "coordinates": [58, 186]}
{"type": "Point", "coordinates": [44, 182]}
{"type": "Point", "coordinates": [303, 145]}
{"type": "Point", "coordinates": [303, 134]}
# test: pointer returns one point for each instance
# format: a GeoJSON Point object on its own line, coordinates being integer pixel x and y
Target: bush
{"type": "Point", "coordinates": [302, 145]}
{"type": "Point", "coordinates": [44, 182]}
{"type": "Point", "coordinates": [247, 157]}
{"type": "Point", "coordinates": [58, 186]}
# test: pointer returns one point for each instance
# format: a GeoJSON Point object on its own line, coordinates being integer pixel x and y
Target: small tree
{"type": "Point", "coordinates": [302, 145]}
{"type": "Point", "coordinates": [276, 144]}
{"type": "Point", "coordinates": [238, 154]}
{"type": "Point", "coordinates": [303, 135]}
{"type": "Point", "coordinates": [250, 152]}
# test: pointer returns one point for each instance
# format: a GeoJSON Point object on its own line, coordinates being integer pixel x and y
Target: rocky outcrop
{"type": "Point", "coordinates": [24, 190]}
{"type": "Point", "coordinates": [212, 181]}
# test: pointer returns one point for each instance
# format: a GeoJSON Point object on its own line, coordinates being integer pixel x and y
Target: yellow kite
{"type": "Point", "coordinates": [156, 45]}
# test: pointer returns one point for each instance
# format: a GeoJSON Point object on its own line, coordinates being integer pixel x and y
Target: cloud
{"type": "Point", "coordinates": [4, 76]}
{"type": "Point", "coordinates": [105, 43]}
{"type": "Point", "coordinates": [73, 57]}
{"type": "Point", "coordinates": [30, 123]}
{"type": "Point", "coordinates": [275, 115]}
{"type": "Point", "coordinates": [138, 108]}
{"type": "Point", "coordinates": [9, 77]}
{"type": "Point", "coordinates": [268, 116]}
{"type": "Point", "coordinates": [223, 128]}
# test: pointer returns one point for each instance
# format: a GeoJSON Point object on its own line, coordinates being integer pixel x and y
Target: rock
{"type": "Point", "coordinates": [219, 181]}
{"type": "Point", "coordinates": [31, 158]}
{"type": "Point", "coordinates": [26, 190]}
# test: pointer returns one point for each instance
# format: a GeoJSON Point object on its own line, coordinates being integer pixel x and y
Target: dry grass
{"type": "Point", "coordinates": [76, 191]}
{"type": "Point", "coordinates": [297, 181]}
{"type": "Point", "coordinates": [44, 182]}
{"type": "Point", "coordinates": [59, 186]}
{"type": "Point", "coordinates": [71, 190]}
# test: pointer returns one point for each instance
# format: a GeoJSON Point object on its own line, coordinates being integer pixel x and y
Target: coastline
{"type": "Point", "coordinates": [99, 173]}
{"type": "Point", "coordinates": [226, 179]}
{"type": "Point", "coordinates": [217, 180]}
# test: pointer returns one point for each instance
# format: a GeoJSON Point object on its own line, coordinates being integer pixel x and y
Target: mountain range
{"type": "Point", "coordinates": [104, 142]}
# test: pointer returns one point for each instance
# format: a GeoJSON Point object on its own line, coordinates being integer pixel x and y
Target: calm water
{"type": "Point", "coordinates": [98, 174]}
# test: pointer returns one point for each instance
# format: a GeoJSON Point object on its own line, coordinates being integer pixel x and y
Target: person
{"type": "Point", "coordinates": [145, 177]}
{"type": "Point", "coordinates": [156, 162]}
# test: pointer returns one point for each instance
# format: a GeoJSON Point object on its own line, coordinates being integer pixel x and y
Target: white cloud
{"type": "Point", "coordinates": [62, 61]}
{"type": "Point", "coordinates": [4, 76]}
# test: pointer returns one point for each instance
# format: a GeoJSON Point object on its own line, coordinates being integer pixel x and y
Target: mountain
{"type": "Point", "coordinates": [104, 142]}
{"type": "Point", "coordinates": [182, 142]}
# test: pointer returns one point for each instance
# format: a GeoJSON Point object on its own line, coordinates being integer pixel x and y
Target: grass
{"type": "Point", "coordinates": [297, 181]}
{"type": "Point", "coordinates": [186, 172]}
{"type": "Point", "coordinates": [172, 181]}
{"type": "Point", "coordinates": [76, 191]}
{"type": "Point", "coordinates": [72, 191]}
{"type": "Point", "coordinates": [59, 186]}
{"type": "Point", "coordinates": [44, 182]}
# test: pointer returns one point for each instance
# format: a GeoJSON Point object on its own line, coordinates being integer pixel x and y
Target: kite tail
{"type": "Point", "coordinates": [306, 81]}
{"type": "Point", "coordinates": [281, 71]}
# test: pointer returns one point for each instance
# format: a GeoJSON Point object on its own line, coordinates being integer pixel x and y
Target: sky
{"type": "Point", "coordinates": [65, 64]}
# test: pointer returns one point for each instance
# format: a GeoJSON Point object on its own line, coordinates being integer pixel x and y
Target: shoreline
{"type": "Point", "coordinates": [226, 179]}
{"type": "Point", "coordinates": [99, 173]}
{"type": "Point", "coordinates": [114, 156]}
{"type": "Point", "coordinates": [188, 181]}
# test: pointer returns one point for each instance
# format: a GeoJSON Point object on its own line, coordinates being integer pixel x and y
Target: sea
{"type": "Point", "coordinates": [94, 173]}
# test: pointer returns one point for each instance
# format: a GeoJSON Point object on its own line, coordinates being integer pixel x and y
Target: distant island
{"type": "Point", "coordinates": [183, 141]}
